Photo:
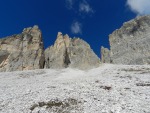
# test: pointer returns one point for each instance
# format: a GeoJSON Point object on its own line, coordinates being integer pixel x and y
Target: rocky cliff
{"type": "Point", "coordinates": [24, 51]}
{"type": "Point", "coordinates": [131, 43]}
{"type": "Point", "coordinates": [68, 52]}
{"type": "Point", "coordinates": [128, 45]}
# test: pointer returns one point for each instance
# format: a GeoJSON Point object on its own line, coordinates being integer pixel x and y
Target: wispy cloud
{"type": "Point", "coordinates": [85, 7]}
{"type": "Point", "coordinates": [140, 7]}
{"type": "Point", "coordinates": [81, 8]}
{"type": "Point", "coordinates": [70, 3]}
{"type": "Point", "coordinates": [76, 27]}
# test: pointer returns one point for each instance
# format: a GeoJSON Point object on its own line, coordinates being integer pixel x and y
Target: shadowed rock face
{"type": "Point", "coordinates": [23, 51]}
{"type": "Point", "coordinates": [68, 52]}
{"type": "Point", "coordinates": [131, 43]}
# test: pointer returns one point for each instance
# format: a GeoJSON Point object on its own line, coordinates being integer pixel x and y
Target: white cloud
{"type": "Point", "coordinates": [70, 3]}
{"type": "Point", "coordinates": [76, 27]}
{"type": "Point", "coordinates": [85, 7]}
{"type": "Point", "coordinates": [140, 7]}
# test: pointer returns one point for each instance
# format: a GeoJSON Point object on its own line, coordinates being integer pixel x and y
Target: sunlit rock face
{"type": "Point", "coordinates": [24, 51]}
{"type": "Point", "coordinates": [131, 43]}
{"type": "Point", "coordinates": [68, 52]}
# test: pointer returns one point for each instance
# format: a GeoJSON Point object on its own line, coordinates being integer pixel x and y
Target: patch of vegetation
{"type": "Point", "coordinates": [142, 84]}
{"type": "Point", "coordinates": [97, 81]}
{"type": "Point", "coordinates": [135, 69]}
{"type": "Point", "coordinates": [131, 69]}
{"type": "Point", "coordinates": [127, 88]}
{"type": "Point", "coordinates": [106, 87]}
{"type": "Point", "coordinates": [144, 72]}
{"type": "Point", "coordinates": [31, 73]}
{"type": "Point", "coordinates": [138, 70]}
{"type": "Point", "coordinates": [58, 106]}
{"type": "Point", "coordinates": [130, 77]}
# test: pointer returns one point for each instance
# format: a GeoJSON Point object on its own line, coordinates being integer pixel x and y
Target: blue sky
{"type": "Point", "coordinates": [91, 20]}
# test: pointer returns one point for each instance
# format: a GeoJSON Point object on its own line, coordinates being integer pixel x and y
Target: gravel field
{"type": "Point", "coordinates": [106, 89]}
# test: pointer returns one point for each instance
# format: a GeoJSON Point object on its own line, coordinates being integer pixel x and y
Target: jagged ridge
{"type": "Point", "coordinates": [25, 51]}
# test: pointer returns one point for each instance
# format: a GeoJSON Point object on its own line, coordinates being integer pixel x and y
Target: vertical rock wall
{"type": "Point", "coordinates": [24, 51]}
{"type": "Point", "coordinates": [68, 52]}
{"type": "Point", "coordinates": [131, 43]}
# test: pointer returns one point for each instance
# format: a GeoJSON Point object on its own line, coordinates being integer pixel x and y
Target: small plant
{"type": "Point", "coordinates": [127, 88]}
{"type": "Point", "coordinates": [106, 87]}
{"type": "Point", "coordinates": [142, 84]}
{"type": "Point", "coordinates": [97, 81]}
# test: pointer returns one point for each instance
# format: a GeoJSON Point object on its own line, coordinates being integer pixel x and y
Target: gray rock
{"type": "Point", "coordinates": [55, 56]}
{"type": "Point", "coordinates": [105, 55]}
{"type": "Point", "coordinates": [131, 43]}
{"type": "Point", "coordinates": [3, 56]}
{"type": "Point", "coordinates": [24, 51]}
{"type": "Point", "coordinates": [67, 52]}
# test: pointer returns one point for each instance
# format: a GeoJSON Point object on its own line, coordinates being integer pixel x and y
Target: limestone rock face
{"type": "Point", "coordinates": [68, 52]}
{"type": "Point", "coordinates": [56, 56]}
{"type": "Point", "coordinates": [131, 43]}
{"type": "Point", "coordinates": [24, 51]}
{"type": "Point", "coordinates": [105, 55]}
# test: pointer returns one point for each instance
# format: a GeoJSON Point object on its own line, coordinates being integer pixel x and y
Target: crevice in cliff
{"type": "Point", "coordinates": [43, 64]}
{"type": "Point", "coordinates": [66, 59]}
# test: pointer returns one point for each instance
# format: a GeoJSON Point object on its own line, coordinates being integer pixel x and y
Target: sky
{"type": "Point", "coordinates": [91, 20]}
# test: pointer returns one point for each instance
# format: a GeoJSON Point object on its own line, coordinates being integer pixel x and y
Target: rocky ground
{"type": "Point", "coordinates": [107, 89]}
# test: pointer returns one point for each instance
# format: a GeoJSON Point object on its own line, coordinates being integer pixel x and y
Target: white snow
{"type": "Point", "coordinates": [106, 89]}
